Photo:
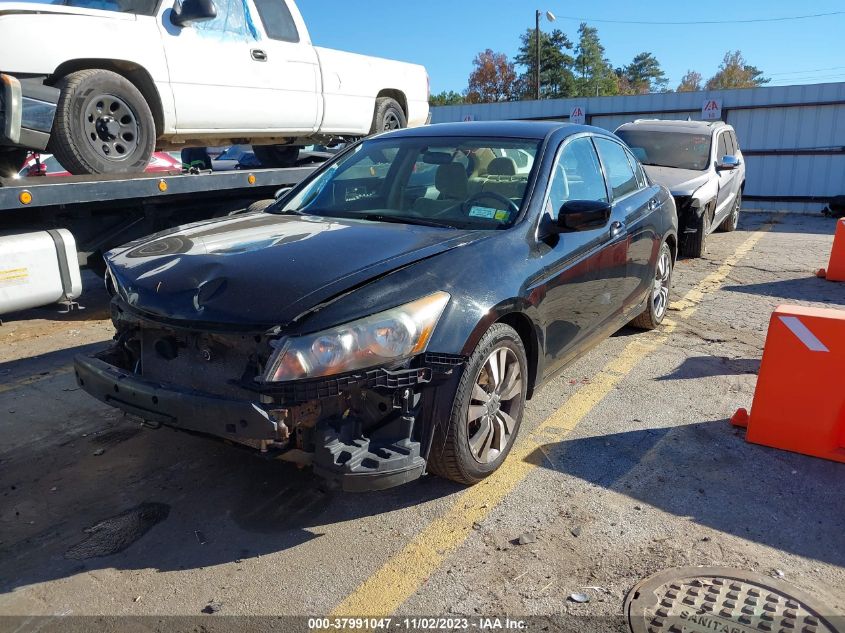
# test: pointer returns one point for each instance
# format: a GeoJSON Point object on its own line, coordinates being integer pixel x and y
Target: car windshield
{"type": "Point", "coordinates": [681, 150]}
{"type": "Point", "coordinates": [454, 182]}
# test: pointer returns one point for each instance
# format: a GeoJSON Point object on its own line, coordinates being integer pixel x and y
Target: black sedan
{"type": "Point", "coordinates": [393, 313]}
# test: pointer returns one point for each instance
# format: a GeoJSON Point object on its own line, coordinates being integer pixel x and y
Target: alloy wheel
{"type": "Point", "coordinates": [493, 408]}
{"type": "Point", "coordinates": [660, 290]}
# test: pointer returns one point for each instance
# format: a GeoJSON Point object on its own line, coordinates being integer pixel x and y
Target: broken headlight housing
{"type": "Point", "coordinates": [375, 340]}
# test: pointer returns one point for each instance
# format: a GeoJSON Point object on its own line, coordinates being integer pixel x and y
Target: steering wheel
{"type": "Point", "coordinates": [491, 195]}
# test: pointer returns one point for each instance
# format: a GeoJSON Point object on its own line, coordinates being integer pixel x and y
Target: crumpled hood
{"type": "Point", "coordinates": [263, 270]}
{"type": "Point", "coordinates": [8, 8]}
{"type": "Point", "coordinates": [681, 182]}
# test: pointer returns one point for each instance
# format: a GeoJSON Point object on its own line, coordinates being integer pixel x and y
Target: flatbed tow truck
{"type": "Point", "coordinates": [79, 218]}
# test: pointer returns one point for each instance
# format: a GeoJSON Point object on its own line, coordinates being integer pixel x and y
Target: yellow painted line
{"type": "Point", "coordinates": [31, 380]}
{"type": "Point", "coordinates": [401, 576]}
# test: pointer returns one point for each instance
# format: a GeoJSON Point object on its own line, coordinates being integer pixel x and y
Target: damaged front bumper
{"type": "Point", "coordinates": [340, 447]}
{"type": "Point", "coordinates": [27, 110]}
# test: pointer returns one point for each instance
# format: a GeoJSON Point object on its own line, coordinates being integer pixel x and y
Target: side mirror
{"type": "Point", "coordinates": [583, 215]}
{"type": "Point", "coordinates": [280, 193]}
{"type": "Point", "coordinates": [728, 163]}
{"type": "Point", "coordinates": [186, 12]}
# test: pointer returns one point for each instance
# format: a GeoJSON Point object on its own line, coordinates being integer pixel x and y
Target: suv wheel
{"type": "Point", "coordinates": [487, 410]}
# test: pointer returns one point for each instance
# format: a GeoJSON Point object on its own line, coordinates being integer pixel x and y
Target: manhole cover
{"type": "Point", "coordinates": [723, 600]}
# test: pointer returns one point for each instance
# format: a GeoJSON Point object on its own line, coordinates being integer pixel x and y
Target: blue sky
{"type": "Point", "coordinates": [446, 35]}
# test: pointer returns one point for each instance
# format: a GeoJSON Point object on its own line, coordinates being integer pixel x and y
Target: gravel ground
{"type": "Point", "coordinates": [101, 517]}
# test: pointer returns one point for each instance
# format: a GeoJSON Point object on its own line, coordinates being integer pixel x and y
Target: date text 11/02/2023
{"type": "Point", "coordinates": [417, 624]}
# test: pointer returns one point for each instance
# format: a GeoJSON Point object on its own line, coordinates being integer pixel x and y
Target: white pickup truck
{"type": "Point", "coordinates": [104, 83]}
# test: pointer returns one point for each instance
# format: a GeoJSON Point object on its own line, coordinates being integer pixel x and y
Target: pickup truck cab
{"type": "Point", "coordinates": [124, 78]}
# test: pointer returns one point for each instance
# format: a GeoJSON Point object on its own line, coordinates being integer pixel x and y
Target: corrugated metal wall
{"type": "Point", "coordinates": [793, 137]}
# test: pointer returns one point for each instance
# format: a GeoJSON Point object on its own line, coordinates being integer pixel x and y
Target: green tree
{"type": "Point", "coordinates": [447, 97]}
{"type": "Point", "coordinates": [596, 77]}
{"type": "Point", "coordinates": [735, 72]}
{"type": "Point", "coordinates": [493, 78]}
{"type": "Point", "coordinates": [641, 76]}
{"type": "Point", "coordinates": [690, 82]}
{"type": "Point", "coordinates": [557, 81]}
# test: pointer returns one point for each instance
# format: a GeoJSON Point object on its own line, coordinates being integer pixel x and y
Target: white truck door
{"type": "Point", "coordinates": [290, 70]}
{"type": "Point", "coordinates": [216, 82]}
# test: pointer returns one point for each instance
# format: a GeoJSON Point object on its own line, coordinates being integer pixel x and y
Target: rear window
{"type": "Point", "coordinates": [277, 20]}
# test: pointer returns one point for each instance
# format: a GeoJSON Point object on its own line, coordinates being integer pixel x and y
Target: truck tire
{"type": "Point", "coordinates": [478, 437]}
{"type": "Point", "coordinates": [11, 161]}
{"type": "Point", "coordinates": [730, 223]}
{"type": "Point", "coordinates": [276, 155]}
{"type": "Point", "coordinates": [388, 116]}
{"type": "Point", "coordinates": [103, 125]}
{"type": "Point", "coordinates": [695, 244]}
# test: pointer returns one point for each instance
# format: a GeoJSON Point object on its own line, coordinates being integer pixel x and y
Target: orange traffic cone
{"type": "Point", "coordinates": [836, 268]}
{"type": "Point", "coordinates": [799, 402]}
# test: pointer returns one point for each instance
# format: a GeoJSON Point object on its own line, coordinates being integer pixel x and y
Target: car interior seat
{"type": "Point", "coordinates": [502, 166]}
{"type": "Point", "coordinates": [452, 183]}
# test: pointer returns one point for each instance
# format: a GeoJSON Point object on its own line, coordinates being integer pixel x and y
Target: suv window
{"type": "Point", "coordinates": [723, 147]}
{"type": "Point", "coordinates": [620, 174]}
{"type": "Point", "coordinates": [277, 20]}
{"type": "Point", "coordinates": [577, 176]}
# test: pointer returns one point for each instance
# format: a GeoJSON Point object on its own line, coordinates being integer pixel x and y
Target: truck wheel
{"type": "Point", "coordinates": [276, 155]}
{"type": "Point", "coordinates": [730, 223]}
{"type": "Point", "coordinates": [695, 244]}
{"type": "Point", "coordinates": [388, 116]}
{"type": "Point", "coordinates": [487, 410]}
{"type": "Point", "coordinates": [103, 125]}
{"type": "Point", "coordinates": [11, 161]}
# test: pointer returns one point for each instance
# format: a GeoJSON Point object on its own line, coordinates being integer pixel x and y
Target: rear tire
{"type": "Point", "coordinates": [276, 155]}
{"type": "Point", "coordinates": [103, 125]}
{"type": "Point", "coordinates": [11, 161]}
{"type": "Point", "coordinates": [388, 116]}
{"type": "Point", "coordinates": [730, 223]}
{"type": "Point", "coordinates": [467, 451]}
{"type": "Point", "coordinates": [658, 299]}
{"type": "Point", "coordinates": [695, 244]}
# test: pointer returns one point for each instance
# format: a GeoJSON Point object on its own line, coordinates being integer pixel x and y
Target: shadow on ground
{"type": "Point", "coordinates": [131, 498]}
{"type": "Point", "coordinates": [803, 289]}
{"type": "Point", "coordinates": [707, 472]}
{"type": "Point", "coordinates": [706, 366]}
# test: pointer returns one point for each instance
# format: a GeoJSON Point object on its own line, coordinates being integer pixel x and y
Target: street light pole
{"type": "Point", "coordinates": [551, 18]}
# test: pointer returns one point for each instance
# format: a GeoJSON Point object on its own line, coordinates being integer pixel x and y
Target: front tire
{"type": "Point", "coordinates": [276, 155]}
{"type": "Point", "coordinates": [658, 299]}
{"type": "Point", "coordinates": [388, 116]}
{"type": "Point", "coordinates": [695, 244]}
{"type": "Point", "coordinates": [103, 125]}
{"type": "Point", "coordinates": [487, 411]}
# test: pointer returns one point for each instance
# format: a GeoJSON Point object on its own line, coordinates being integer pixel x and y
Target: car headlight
{"type": "Point", "coordinates": [388, 336]}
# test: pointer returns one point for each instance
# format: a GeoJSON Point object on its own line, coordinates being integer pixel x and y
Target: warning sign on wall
{"type": "Point", "coordinates": [578, 115]}
{"type": "Point", "coordinates": [711, 110]}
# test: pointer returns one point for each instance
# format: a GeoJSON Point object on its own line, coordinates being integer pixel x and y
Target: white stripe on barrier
{"type": "Point", "coordinates": [803, 333]}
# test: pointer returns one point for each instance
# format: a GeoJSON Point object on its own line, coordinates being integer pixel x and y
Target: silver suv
{"type": "Point", "coordinates": [701, 164]}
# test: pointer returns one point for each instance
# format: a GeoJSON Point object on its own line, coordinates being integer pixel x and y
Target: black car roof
{"type": "Point", "coordinates": [506, 129]}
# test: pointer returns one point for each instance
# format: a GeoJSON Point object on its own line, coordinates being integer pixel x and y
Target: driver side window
{"type": "Point", "coordinates": [576, 176]}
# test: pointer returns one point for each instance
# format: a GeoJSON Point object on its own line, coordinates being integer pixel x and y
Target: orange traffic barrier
{"type": "Point", "coordinates": [835, 270]}
{"type": "Point", "coordinates": [799, 402]}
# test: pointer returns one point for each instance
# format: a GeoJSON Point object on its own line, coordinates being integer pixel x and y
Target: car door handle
{"type": "Point", "coordinates": [258, 55]}
{"type": "Point", "coordinates": [616, 228]}
{"type": "Point", "coordinates": [653, 204]}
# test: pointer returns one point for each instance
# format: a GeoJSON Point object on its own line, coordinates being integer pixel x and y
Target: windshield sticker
{"type": "Point", "coordinates": [482, 212]}
{"type": "Point", "coordinates": [503, 216]}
